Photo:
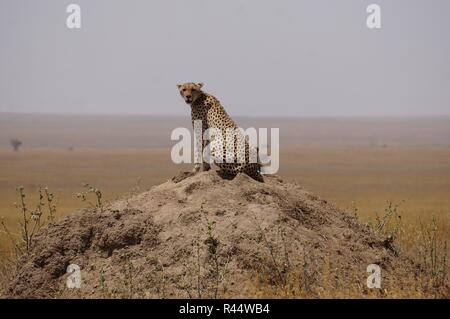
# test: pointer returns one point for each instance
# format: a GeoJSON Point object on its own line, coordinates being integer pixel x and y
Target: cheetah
{"type": "Point", "coordinates": [210, 112]}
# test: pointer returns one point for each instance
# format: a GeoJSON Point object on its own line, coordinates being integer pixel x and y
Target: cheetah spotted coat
{"type": "Point", "coordinates": [209, 110]}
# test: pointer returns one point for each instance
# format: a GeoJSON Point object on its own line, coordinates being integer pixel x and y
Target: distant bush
{"type": "Point", "coordinates": [15, 144]}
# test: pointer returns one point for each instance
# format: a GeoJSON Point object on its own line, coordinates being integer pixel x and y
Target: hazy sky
{"type": "Point", "coordinates": [283, 57]}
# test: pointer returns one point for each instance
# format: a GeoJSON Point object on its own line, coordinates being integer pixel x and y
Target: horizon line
{"type": "Point", "coordinates": [391, 116]}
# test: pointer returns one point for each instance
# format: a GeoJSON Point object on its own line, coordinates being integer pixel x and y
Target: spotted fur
{"type": "Point", "coordinates": [208, 109]}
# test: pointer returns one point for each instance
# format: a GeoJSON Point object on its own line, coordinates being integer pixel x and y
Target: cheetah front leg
{"type": "Point", "coordinates": [206, 166]}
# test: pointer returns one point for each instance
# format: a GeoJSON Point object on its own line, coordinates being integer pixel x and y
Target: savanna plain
{"type": "Point", "coordinates": [392, 173]}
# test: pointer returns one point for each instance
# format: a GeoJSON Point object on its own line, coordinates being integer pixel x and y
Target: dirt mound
{"type": "Point", "coordinates": [203, 236]}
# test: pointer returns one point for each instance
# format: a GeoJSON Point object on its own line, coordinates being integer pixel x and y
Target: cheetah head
{"type": "Point", "coordinates": [190, 91]}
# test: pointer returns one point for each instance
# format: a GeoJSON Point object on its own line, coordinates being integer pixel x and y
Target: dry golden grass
{"type": "Point", "coordinates": [64, 172]}
{"type": "Point", "coordinates": [359, 179]}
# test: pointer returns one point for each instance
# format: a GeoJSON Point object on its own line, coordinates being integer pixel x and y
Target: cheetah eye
{"type": "Point", "coordinates": [184, 90]}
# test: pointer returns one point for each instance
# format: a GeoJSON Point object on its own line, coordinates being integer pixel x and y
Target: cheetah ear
{"type": "Point", "coordinates": [200, 85]}
{"type": "Point", "coordinates": [178, 85]}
